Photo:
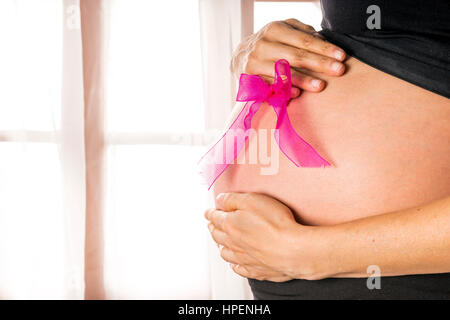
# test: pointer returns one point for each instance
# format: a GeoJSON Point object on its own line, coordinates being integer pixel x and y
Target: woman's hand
{"type": "Point", "coordinates": [260, 238]}
{"type": "Point", "coordinates": [296, 42]}
{"type": "Point", "coordinates": [263, 241]}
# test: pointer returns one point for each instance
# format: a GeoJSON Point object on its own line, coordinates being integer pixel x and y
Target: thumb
{"type": "Point", "coordinates": [233, 201]}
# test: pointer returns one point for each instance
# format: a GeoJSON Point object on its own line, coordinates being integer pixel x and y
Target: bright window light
{"type": "Point", "coordinates": [306, 12]}
{"type": "Point", "coordinates": [156, 235]}
{"type": "Point", "coordinates": [155, 79]}
{"type": "Point", "coordinates": [32, 237]}
{"type": "Point", "coordinates": [30, 64]}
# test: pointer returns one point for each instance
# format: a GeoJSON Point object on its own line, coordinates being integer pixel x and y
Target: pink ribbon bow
{"type": "Point", "coordinates": [254, 90]}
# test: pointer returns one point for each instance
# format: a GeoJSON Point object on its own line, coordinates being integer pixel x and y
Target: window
{"type": "Point", "coordinates": [155, 132]}
{"type": "Point", "coordinates": [154, 106]}
{"type": "Point", "coordinates": [31, 224]}
{"type": "Point", "coordinates": [307, 12]}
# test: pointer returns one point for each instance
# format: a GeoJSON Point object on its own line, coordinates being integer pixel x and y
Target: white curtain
{"type": "Point", "coordinates": [72, 150]}
{"type": "Point", "coordinates": [158, 114]}
{"type": "Point", "coordinates": [41, 151]}
{"type": "Point", "coordinates": [224, 23]}
{"type": "Point", "coordinates": [167, 85]}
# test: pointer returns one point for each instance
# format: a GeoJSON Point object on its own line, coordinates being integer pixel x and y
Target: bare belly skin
{"type": "Point", "coordinates": [388, 142]}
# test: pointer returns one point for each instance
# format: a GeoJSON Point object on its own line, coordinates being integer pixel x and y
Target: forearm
{"type": "Point", "coordinates": [412, 241]}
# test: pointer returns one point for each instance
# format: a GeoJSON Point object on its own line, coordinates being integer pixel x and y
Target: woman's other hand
{"type": "Point", "coordinates": [260, 238]}
{"type": "Point", "coordinates": [296, 42]}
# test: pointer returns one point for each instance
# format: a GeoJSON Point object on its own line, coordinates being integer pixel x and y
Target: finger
{"type": "Point", "coordinates": [300, 81]}
{"type": "Point", "coordinates": [300, 25]}
{"type": "Point", "coordinates": [319, 35]}
{"type": "Point", "coordinates": [304, 27]}
{"type": "Point", "coordinates": [267, 79]}
{"type": "Point", "coordinates": [238, 257]}
{"type": "Point", "coordinates": [284, 33]}
{"type": "Point", "coordinates": [300, 58]}
{"type": "Point", "coordinates": [242, 271]}
{"type": "Point", "coordinates": [306, 82]}
{"type": "Point", "coordinates": [263, 68]}
{"type": "Point", "coordinates": [258, 273]}
{"type": "Point", "coordinates": [295, 92]}
{"type": "Point", "coordinates": [233, 201]}
{"type": "Point", "coordinates": [216, 217]}
{"type": "Point", "coordinates": [223, 240]}
{"type": "Point", "coordinates": [219, 237]}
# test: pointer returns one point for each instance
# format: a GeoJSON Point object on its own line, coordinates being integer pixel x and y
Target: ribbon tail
{"type": "Point", "coordinates": [300, 152]}
{"type": "Point", "coordinates": [227, 148]}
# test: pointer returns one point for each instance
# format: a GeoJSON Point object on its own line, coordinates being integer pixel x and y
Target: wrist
{"type": "Point", "coordinates": [313, 253]}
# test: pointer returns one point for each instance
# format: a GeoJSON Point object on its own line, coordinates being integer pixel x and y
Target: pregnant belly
{"type": "Point", "coordinates": [388, 142]}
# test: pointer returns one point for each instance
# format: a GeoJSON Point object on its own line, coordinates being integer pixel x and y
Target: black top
{"type": "Point", "coordinates": [423, 287]}
{"type": "Point", "coordinates": [409, 39]}
{"type": "Point", "coordinates": [412, 43]}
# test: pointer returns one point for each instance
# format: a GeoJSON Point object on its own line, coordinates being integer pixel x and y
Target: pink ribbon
{"type": "Point", "coordinates": [254, 90]}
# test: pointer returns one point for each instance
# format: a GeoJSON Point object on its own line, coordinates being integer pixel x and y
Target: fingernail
{"type": "Point", "coordinates": [336, 66]}
{"type": "Point", "coordinates": [210, 227]}
{"type": "Point", "coordinates": [316, 83]}
{"type": "Point", "coordinates": [338, 54]}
